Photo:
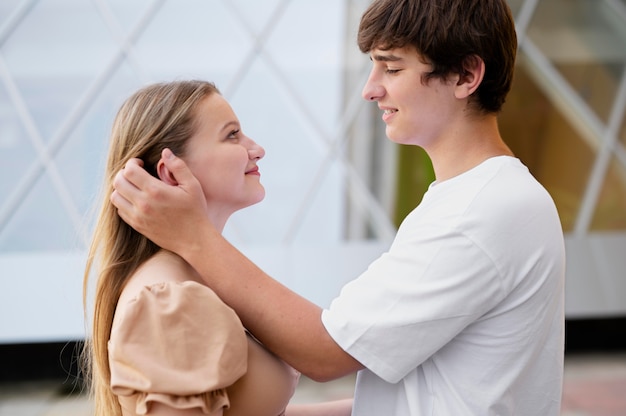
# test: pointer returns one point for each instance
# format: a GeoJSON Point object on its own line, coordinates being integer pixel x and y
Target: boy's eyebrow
{"type": "Point", "coordinates": [385, 58]}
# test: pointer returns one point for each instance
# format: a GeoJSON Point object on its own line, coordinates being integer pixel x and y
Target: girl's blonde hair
{"type": "Point", "coordinates": [155, 117]}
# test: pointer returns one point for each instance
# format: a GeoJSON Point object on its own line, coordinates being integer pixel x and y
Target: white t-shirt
{"type": "Point", "coordinates": [464, 315]}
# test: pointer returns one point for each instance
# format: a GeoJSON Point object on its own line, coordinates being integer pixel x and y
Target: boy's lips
{"type": "Point", "coordinates": [388, 112]}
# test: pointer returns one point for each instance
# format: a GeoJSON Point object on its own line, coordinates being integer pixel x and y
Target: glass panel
{"type": "Point", "coordinates": [584, 40]}
{"type": "Point", "coordinates": [40, 223]}
{"type": "Point", "coordinates": [59, 49]}
{"type": "Point", "coordinates": [551, 148]}
{"type": "Point", "coordinates": [515, 6]}
{"type": "Point", "coordinates": [622, 134]}
{"type": "Point", "coordinates": [256, 13]}
{"type": "Point", "coordinates": [610, 213]}
{"type": "Point", "coordinates": [203, 39]}
{"type": "Point", "coordinates": [6, 8]}
{"type": "Point", "coordinates": [53, 55]}
{"type": "Point", "coordinates": [81, 159]}
{"type": "Point", "coordinates": [308, 65]}
{"type": "Point", "coordinates": [15, 147]}
{"type": "Point", "coordinates": [125, 14]}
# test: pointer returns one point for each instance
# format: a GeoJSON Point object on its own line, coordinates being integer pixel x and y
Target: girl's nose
{"type": "Point", "coordinates": [255, 151]}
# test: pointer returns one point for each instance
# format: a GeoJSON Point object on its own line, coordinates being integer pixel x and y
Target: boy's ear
{"type": "Point", "coordinates": [165, 174]}
{"type": "Point", "coordinates": [472, 76]}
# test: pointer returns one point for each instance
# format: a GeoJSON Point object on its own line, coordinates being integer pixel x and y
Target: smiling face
{"type": "Point", "coordinates": [415, 111]}
{"type": "Point", "coordinates": [224, 160]}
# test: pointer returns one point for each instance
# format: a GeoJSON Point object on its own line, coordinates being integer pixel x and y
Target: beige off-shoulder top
{"type": "Point", "coordinates": [178, 344]}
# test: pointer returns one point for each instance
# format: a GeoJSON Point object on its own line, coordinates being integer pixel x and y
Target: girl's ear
{"type": "Point", "coordinates": [472, 76]}
{"type": "Point", "coordinates": [165, 174]}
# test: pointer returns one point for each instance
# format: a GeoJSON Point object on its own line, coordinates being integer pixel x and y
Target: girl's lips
{"type": "Point", "coordinates": [254, 171]}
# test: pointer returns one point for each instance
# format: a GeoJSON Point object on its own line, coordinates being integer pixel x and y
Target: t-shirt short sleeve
{"type": "Point", "coordinates": [177, 344]}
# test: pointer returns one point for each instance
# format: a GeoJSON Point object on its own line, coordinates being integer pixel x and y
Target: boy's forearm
{"type": "Point", "coordinates": [285, 322]}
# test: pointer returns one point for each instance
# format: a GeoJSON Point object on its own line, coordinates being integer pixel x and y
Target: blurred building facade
{"type": "Point", "coordinates": [336, 188]}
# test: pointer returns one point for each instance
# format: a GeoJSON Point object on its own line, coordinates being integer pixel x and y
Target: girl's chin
{"type": "Point", "coordinates": [258, 198]}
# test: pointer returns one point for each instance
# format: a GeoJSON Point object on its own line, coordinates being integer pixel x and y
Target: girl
{"type": "Point", "coordinates": [162, 342]}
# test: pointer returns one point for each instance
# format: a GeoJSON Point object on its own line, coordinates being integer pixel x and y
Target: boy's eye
{"type": "Point", "coordinates": [392, 71]}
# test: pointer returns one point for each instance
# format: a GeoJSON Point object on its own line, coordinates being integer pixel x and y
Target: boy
{"type": "Point", "coordinates": [464, 314]}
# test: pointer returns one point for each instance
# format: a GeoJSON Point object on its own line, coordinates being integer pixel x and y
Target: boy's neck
{"type": "Point", "coordinates": [467, 148]}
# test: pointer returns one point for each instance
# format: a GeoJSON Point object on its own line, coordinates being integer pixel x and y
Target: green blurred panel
{"type": "Point", "coordinates": [415, 174]}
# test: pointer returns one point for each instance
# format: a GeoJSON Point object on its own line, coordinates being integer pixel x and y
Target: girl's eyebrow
{"type": "Point", "coordinates": [231, 123]}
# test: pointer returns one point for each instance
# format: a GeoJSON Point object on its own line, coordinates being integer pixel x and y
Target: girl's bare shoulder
{"type": "Point", "coordinates": [163, 267]}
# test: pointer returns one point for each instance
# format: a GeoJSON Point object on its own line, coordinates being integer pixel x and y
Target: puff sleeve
{"type": "Point", "coordinates": [177, 344]}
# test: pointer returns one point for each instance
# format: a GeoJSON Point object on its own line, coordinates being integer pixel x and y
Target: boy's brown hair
{"type": "Point", "coordinates": [448, 33]}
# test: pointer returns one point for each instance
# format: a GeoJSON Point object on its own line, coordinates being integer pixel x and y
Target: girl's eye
{"type": "Point", "coordinates": [233, 134]}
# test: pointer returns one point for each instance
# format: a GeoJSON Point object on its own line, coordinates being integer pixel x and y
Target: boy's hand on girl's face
{"type": "Point", "coordinates": [168, 215]}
